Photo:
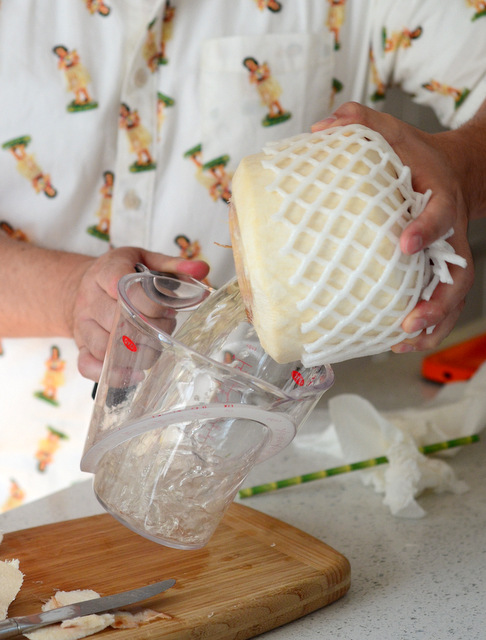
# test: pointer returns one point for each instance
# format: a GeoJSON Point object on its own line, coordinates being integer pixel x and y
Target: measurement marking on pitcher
{"type": "Point", "coordinates": [243, 364]}
{"type": "Point", "coordinates": [230, 359]}
{"type": "Point", "coordinates": [129, 344]}
{"type": "Point", "coordinates": [224, 392]}
{"type": "Point", "coordinates": [214, 427]}
{"type": "Point", "coordinates": [298, 378]}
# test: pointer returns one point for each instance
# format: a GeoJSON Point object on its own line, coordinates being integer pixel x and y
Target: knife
{"type": "Point", "coordinates": [12, 627]}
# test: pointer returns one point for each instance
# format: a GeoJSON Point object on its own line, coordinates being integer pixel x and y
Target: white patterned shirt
{"type": "Point", "coordinates": [122, 122]}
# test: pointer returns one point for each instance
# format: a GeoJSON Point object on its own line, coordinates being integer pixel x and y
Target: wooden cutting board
{"type": "Point", "coordinates": [257, 573]}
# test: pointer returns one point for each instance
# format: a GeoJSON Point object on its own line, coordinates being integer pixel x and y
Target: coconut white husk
{"type": "Point", "coordinates": [316, 222]}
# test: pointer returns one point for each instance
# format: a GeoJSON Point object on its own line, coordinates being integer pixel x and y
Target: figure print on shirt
{"type": "Point", "coordinates": [336, 15]}
{"type": "Point", "coordinates": [400, 39]}
{"type": "Point", "coordinates": [380, 87]}
{"type": "Point", "coordinates": [167, 30]}
{"type": "Point", "coordinates": [479, 6]}
{"type": "Point", "coordinates": [212, 175]}
{"type": "Point", "coordinates": [53, 377]}
{"type": "Point", "coordinates": [337, 87]}
{"type": "Point", "coordinates": [190, 250]}
{"type": "Point", "coordinates": [272, 5]}
{"type": "Point", "coordinates": [443, 89]}
{"type": "Point", "coordinates": [187, 249]}
{"type": "Point", "coordinates": [97, 6]}
{"type": "Point", "coordinates": [269, 90]}
{"type": "Point", "coordinates": [12, 232]}
{"type": "Point", "coordinates": [16, 496]}
{"type": "Point", "coordinates": [151, 49]}
{"type": "Point", "coordinates": [28, 167]}
{"type": "Point", "coordinates": [139, 139]}
{"type": "Point", "coordinates": [77, 79]}
{"type": "Point", "coordinates": [163, 102]}
{"type": "Point", "coordinates": [102, 229]}
{"type": "Point", "coordinates": [47, 447]}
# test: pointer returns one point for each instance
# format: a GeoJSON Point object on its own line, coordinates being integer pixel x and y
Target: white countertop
{"type": "Point", "coordinates": [423, 579]}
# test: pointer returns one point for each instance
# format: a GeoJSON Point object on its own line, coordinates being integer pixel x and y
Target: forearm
{"type": "Point", "coordinates": [35, 291]}
{"type": "Point", "coordinates": [466, 149]}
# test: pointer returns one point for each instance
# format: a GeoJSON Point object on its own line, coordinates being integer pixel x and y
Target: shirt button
{"type": "Point", "coordinates": [131, 200]}
{"type": "Point", "coordinates": [140, 77]}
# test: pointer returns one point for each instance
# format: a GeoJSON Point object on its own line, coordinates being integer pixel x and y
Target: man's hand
{"type": "Point", "coordinates": [45, 292]}
{"type": "Point", "coordinates": [94, 305]}
{"type": "Point", "coordinates": [438, 162]}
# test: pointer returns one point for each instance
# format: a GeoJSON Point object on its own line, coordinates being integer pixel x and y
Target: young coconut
{"type": "Point", "coordinates": [316, 222]}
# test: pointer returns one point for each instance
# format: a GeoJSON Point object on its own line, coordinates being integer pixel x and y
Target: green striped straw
{"type": "Point", "coordinates": [345, 468]}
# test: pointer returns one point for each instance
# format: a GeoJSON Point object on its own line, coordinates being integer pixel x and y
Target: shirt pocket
{"type": "Point", "coordinates": [260, 88]}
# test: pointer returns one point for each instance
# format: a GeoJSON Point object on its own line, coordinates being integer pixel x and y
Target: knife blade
{"type": "Point", "coordinates": [12, 627]}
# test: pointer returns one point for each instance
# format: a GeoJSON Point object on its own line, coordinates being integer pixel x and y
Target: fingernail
{"type": "Point", "coordinates": [419, 324]}
{"type": "Point", "coordinates": [415, 244]}
{"type": "Point", "coordinates": [403, 348]}
{"type": "Point", "coordinates": [322, 124]}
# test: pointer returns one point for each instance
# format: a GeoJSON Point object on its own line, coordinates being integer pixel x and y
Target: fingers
{"type": "Point", "coordinates": [354, 113]}
{"type": "Point", "coordinates": [441, 312]}
{"type": "Point", "coordinates": [118, 262]}
{"type": "Point", "coordinates": [447, 301]}
{"type": "Point", "coordinates": [441, 214]}
{"type": "Point", "coordinates": [425, 340]}
{"type": "Point", "coordinates": [97, 293]}
{"type": "Point", "coordinates": [196, 268]}
{"type": "Point", "coordinates": [88, 365]}
{"type": "Point", "coordinates": [92, 336]}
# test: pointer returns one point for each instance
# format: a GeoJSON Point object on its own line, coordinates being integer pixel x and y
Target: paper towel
{"type": "Point", "coordinates": [358, 431]}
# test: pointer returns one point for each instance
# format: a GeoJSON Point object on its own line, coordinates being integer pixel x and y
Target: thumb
{"type": "Point", "coordinates": [198, 269]}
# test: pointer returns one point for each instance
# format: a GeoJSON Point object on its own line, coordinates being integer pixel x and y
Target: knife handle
{"type": "Point", "coordinates": [9, 628]}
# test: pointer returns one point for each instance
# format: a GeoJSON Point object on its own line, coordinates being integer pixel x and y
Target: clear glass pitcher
{"type": "Point", "coordinates": [188, 402]}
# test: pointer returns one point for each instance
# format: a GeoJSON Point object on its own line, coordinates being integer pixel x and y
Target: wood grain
{"type": "Point", "coordinates": [257, 573]}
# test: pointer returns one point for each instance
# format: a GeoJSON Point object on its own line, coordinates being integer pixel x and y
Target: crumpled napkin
{"type": "Point", "coordinates": [362, 432]}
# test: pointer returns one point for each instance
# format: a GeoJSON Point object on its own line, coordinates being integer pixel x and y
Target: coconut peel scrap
{"type": "Point", "coordinates": [81, 627]}
{"type": "Point", "coordinates": [11, 579]}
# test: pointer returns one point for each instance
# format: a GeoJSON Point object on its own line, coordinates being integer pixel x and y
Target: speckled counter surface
{"type": "Point", "coordinates": [422, 579]}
